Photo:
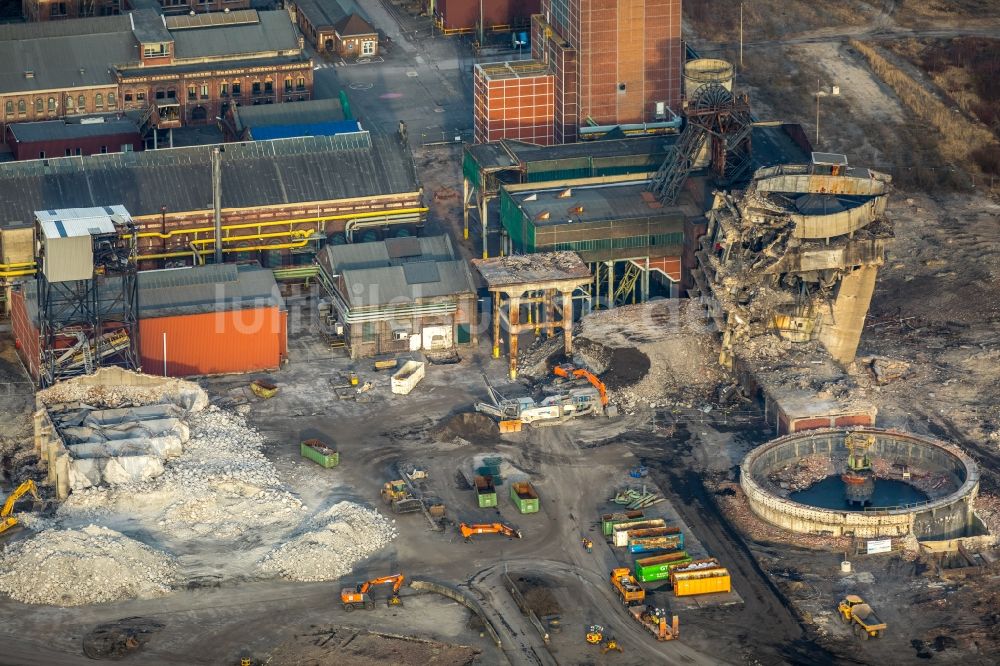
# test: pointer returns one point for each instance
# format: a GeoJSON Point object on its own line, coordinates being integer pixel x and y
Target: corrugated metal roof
{"type": "Point", "coordinates": [388, 285]}
{"type": "Point", "coordinates": [309, 111]}
{"type": "Point", "coordinates": [193, 290]}
{"type": "Point", "coordinates": [254, 173]}
{"type": "Point", "coordinates": [274, 32]}
{"type": "Point", "coordinates": [382, 254]}
{"type": "Point", "coordinates": [53, 130]}
{"type": "Point", "coordinates": [330, 128]}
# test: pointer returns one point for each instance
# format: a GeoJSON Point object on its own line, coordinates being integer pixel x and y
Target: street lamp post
{"type": "Point", "coordinates": [741, 36]}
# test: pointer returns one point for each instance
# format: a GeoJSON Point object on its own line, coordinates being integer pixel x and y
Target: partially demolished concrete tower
{"type": "Point", "coordinates": [796, 255]}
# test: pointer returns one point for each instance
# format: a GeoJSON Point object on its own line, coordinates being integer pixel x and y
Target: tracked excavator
{"type": "Point", "coordinates": [572, 372]}
{"type": "Point", "coordinates": [7, 517]}
{"type": "Point", "coordinates": [358, 597]}
{"type": "Point", "coordinates": [488, 528]}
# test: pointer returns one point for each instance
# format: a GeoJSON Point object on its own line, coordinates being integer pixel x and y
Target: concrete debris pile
{"type": "Point", "coordinates": [86, 566]}
{"type": "Point", "coordinates": [652, 354]}
{"type": "Point", "coordinates": [884, 370]}
{"type": "Point", "coordinates": [933, 484]}
{"type": "Point", "coordinates": [803, 474]}
{"type": "Point", "coordinates": [112, 388]}
{"type": "Point", "coordinates": [988, 510]}
{"type": "Point", "coordinates": [795, 256]}
{"type": "Point", "coordinates": [222, 487]}
{"type": "Point", "coordinates": [333, 543]}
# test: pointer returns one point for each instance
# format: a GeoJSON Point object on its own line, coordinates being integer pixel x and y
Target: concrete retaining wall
{"type": "Point", "coordinates": [462, 598]}
{"type": "Point", "coordinates": [943, 518]}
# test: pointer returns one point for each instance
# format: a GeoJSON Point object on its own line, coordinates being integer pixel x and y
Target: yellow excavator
{"type": "Point", "coordinates": [488, 528]}
{"type": "Point", "coordinates": [7, 519]}
{"type": "Point", "coordinates": [357, 597]}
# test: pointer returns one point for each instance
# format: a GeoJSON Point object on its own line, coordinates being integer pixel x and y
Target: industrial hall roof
{"type": "Point", "coordinates": [271, 31]}
{"type": "Point", "coordinates": [254, 173]}
{"type": "Point", "coordinates": [300, 113]}
{"type": "Point", "coordinates": [55, 130]}
{"type": "Point", "coordinates": [397, 271]}
{"type": "Point", "coordinates": [193, 290]}
{"type": "Point", "coordinates": [532, 268]}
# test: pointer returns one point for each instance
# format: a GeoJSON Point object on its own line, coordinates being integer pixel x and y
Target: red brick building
{"type": "Point", "coordinates": [53, 10]}
{"type": "Point", "coordinates": [77, 136]}
{"type": "Point", "coordinates": [613, 65]}
{"type": "Point", "coordinates": [462, 16]}
{"type": "Point", "coordinates": [514, 100]}
{"type": "Point", "coordinates": [178, 70]}
{"type": "Point", "coordinates": [335, 29]}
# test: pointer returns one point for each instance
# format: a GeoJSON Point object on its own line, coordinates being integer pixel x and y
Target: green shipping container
{"type": "Point", "coordinates": [320, 454]}
{"type": "Point", "coordinates": [486, 492]}
{"type": "Point", "coordinates": [609, 520]}
{"type": "Point", "coordinates": [525, 497]}
{"type": "Point", "coordinates": [649, 569]}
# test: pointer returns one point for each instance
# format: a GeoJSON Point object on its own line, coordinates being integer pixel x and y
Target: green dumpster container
{"type": "Point", "coordinates": [486, 492]}
{"type": "Point", "coordinates": [524, 496]}
{"type": "Point", "coordinates": [319, 453]}
{"type": "Point", "coordinates": [648, 569]}
{"type": "Point", "coordinates": [609, 520]}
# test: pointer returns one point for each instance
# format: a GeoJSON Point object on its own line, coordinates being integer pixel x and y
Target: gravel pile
{"type": "Point", "coordinates": [78, 567]}
{"type": "Point", "coordinates": [336, 540]}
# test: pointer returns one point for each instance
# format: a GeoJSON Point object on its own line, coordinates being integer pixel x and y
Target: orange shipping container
{"type": "Point", "coordinates": [708, 585]}
{"type": "Point", "coordinates": [214, 342]}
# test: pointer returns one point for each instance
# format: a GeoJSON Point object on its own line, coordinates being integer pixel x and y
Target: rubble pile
{"type": "Point", "coordinates": [988, 510]}
{"type": "Point", "coordinates": [221, 487]}
{"type": "Point", "coordinates": [86, 566]}
{"type": "Point", "coordinates": [114, 395]}
{"type": "Point", "coordinates": [335, 541]}
{"type": "Point", "coordinates": [652, 354]}
{"type": "Point", "coordinates": [803, 474]}
{"type": "Point", "coordinates": [932, 484]}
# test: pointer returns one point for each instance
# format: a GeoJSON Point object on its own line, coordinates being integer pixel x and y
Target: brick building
{"type": "Point", "coordinates": [610, 66]}
{"type": "Point", "coordinates": [463, 16]}
{"type": "Point", "coordinates": [179, 70]}
{"type": "Point", "coordinates": [514, 100]}
{"type": "Point", "coordinates": [336, 26]}
{"type": "Point", "coordinates": [52, 10]}
{"type": "Point", "coordinates": [88, 135]}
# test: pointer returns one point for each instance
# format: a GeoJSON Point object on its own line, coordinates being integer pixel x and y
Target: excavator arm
{"type": "Point", "coordinates": [489, 528]}
{"type": "Point", "coordinates": [569, 371]}
{"type": "Point", "coordinates": [7, 520]}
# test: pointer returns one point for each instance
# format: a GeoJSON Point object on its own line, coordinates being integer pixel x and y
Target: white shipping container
{"type": "Point", "coordinates": [407, 377]}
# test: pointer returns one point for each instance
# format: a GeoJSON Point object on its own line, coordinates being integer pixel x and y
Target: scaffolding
{"type": "Point", "coordinates": [87, 292]}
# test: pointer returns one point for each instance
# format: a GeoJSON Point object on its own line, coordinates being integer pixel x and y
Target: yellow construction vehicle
{"type": "Point", "coordinates": [612, 644]}
{"type": "Point", "coordinates": [488, 528]}
{"type": "Point", "coordinates": [628, 588]}
{"type": "Point", "coordinates": [399, 496]}
{"type": "Point", "coordinates": [357, 597]}
{"type": "Point", "coordinates": [595, 634]}
{"type": "Point", "coordinates": [7, 519]}
{"type": "Point", "coordinates": [854, 611]}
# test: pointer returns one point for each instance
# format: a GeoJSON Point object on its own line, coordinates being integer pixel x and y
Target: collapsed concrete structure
{"type": "Point", "coordinates": [795, 255]}
{"type": "Point", "coordinates": [112, 427]}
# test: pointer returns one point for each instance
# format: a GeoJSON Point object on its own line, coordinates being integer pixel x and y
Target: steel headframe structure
{"type": "Point", "coordinates": [87, 324]}
{"type": "Point", "coordinates": [716, 116]}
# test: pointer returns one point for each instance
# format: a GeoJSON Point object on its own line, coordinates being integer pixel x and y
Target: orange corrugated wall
{"type": "Point", "coordinates": [25, 333]}
{"type": "Point", "coordinates": [214, 342]}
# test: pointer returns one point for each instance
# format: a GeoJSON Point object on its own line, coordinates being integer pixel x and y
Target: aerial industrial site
{"type": "Point", "coordinates": [528, 333]}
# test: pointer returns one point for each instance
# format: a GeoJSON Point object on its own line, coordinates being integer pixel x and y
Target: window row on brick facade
{"type": "Point", "coordinates": [70, 103]}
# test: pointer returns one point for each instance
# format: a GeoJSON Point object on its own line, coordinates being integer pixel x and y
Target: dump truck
{"type": "Point", "coordinates": [609, 520]}
{"type": "Point", "coordinates": [861, 617]}
{"type": "Point", "coordinates": [399, 496]}
{"type": "Point", "coordinates": [658, 567]}
{"type": "Point", "coordinates": [486, 491]}
{"type": "Point", "coordinates": [524, 496]}
{"type": "Point", "coordinates": [620, 533]}
{"type": "Point", "coordinates": [628, 588]}
{"type": "Point", "coordinates": [358, 597]}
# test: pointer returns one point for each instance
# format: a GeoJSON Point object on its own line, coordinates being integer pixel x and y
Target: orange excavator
{"type": "Point", "coordinates": [488, 528]}
{"type": "Point", "coordinates": [357, 597]}
{"type": "Point", "coordinates": [570, 372]}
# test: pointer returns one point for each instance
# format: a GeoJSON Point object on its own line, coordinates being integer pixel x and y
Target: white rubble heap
{"type": "Point", "coordinates": [86, 566]}
{"type": "Point", "coordinates": [219, 506]}
{"type": "Point", "coordinates": [336, 540]}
